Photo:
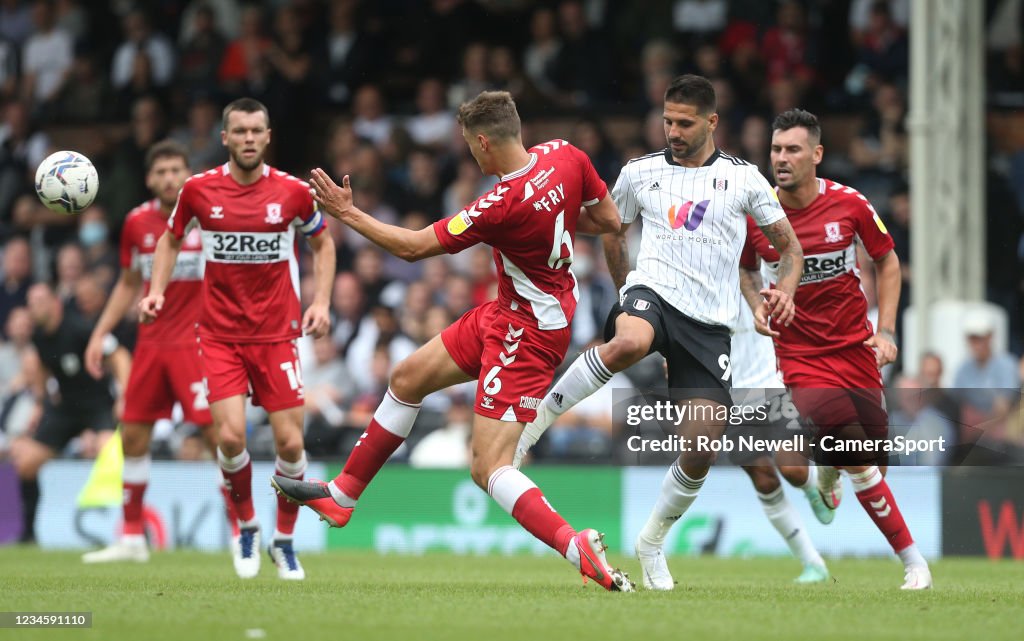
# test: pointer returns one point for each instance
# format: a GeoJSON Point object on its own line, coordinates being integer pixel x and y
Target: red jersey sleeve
{"type": "Point", "coordinates": [748, 256]}
{"type": "Point", "coordinates": [183, 212]}
{"type": "Point", "coordinates": [127, 234]}
{"type": "Point", "coordinates": [594, 189]}
{"type": "Point", "coordinates": [870, 229]}
{"type": "Point", "coordinates": [478, 223]}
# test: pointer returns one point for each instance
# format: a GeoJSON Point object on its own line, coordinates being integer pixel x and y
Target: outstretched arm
{"type": "Point", "coordinates": [336, 201]}
{"type": "Point", "coordinates": [791, 267]}
{"type": "Point", "coordinates": [751, 286]}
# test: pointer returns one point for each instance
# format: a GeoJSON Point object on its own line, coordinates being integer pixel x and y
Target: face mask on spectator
{"type": "Point", "coordinates": [92, 233]}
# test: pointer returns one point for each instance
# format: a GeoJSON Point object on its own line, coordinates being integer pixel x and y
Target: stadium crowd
{"type": "Point", "coordinates": [356, 91]}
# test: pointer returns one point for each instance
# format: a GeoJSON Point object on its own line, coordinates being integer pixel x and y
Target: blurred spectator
{"type": "Point", "coordinates": [15, 21]}
{"type": "Point", "coordinates": [349, 54]}
{"type": "Point", "coordinates": [915, 418]}
{"type": "Point", "coordinates": [755, 144]}
{"type": "Point", "coordinates": [192, 447]}
{"type": "Point", "coordinates": [86, 97]}
{"type": "Point", "coordinates": [22, 148]}
{"type": "Point", "coordinates": [580, 69]}
{"type": "Point", "coordinates": [474, 75]}
{"type": "Point", "coordinates": [142, 41]}
{"type": "Point", "coordinates": [201, 135]}
{"type": "Point", "coordinates": [371, 122]}
{"type": "Point", "coordinates": [368, 267]}
{"type": "Point", "coordinates": [448, 446]}
{"type": "Point", "coordinates": [329, 388]}
{"type": "Point", "coordinates": [785, 48]}
{"type": "Point", "coordinates": [591, 138]}
{"type": "Point", "coordinates": [383, 333]}
{"type": "Point", "coordinates": [458, 295]}
{"type": "Point", "coordinates": [987, 382]}
{"type": "Point", "coordinates": [879, 150]}
{"type": "Point", "coordinates": [8, 70]}
{"type": "Point", "coordinates": [898, 223]}
{"type": "Point", "coordinates": [17, 328]}
{"type": "Point", "coordinates": [71, 18]}
{"type": "Point", "coordinates": [929, 375]}
{"type": "Point", "coordinates": [70, 268]}
{"type": "Point", "coordinates": [290, 93]}
{"type": "Point", "coordinates": [542, 51]}
{"type": "Point", "coordinates": [45, 58]}
{"type": "Point", "coordinates": [596, 293]}
{"type": "Point", "coordinates": [883, 53]}
{"type": "Point", "coordinates": [423, 189]}
{"type": "Point", "coordinates": [243, 68]}
{"type": "Point", "coordinates": [94, 236]}
{"type": "Point", "coordinates": [348, 305]}
{"type": "Point", "coordinates": [860, 17]}
{"type": "Point", "coordinates": [413, 314]}
{"type": "Point", "coordinates": [90, 296]}
{"type": "Point", "coordinates": [700, 18]}
{"type": "Point", "coordinates": [17, 276]}
{"type": "Point", "coordinates": [227, 16]}
{"type": "Point", "coordinates": [506, 75]}
{"type": "Point", "coordinates": [201, 52]}
{"type": "Point", "coordinates": [124, 177]}
{"type": "Point", "coordinates": [433, 125]}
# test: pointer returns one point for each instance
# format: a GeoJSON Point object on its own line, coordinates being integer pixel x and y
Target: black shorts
{"type": "Point", "coordinates": [697, 353]}
{"type": "Point", "coordinates": [59, 424]}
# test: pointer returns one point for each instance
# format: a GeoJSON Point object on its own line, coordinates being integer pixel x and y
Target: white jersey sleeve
{"type": "Point", "coordinates": [762, 203]}
{"type": "Point", "coordinates": [624, 195]}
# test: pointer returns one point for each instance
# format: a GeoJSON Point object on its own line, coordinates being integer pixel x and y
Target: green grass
{"type": "Point", "coordinates": [192, 597]}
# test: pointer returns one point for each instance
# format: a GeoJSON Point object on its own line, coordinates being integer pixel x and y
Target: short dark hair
{"type": "Point", "coordinates": [492, 113]}
{"type": "Point", "coordinates": [247, 105]}
{"type": "Point", "coordinates": [799, 118]}
{"type": "Point", "coordinates": [695, 90]}
{"type": "Point", "coordinates": [166, 149]}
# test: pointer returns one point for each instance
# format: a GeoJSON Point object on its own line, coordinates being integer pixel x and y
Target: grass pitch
{"type": "Point", "coordinates": [193, 597]}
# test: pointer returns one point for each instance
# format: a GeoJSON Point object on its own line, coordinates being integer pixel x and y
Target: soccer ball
{"type": "Point", "coordinates": [66, 182]}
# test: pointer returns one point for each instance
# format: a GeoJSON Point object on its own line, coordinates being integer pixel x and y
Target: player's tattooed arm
{"type": "Point", "coordinates": [616, 254]}
{"type": "Point", "coordinates": [753, 290]}
{"type": "Point", "coordinates": [791, 267]}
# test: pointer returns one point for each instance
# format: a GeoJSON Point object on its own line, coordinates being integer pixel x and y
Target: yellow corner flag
{"type": "Point", "coordinates": [104, 485]}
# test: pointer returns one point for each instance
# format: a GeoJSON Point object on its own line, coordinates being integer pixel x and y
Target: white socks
{"type": "Point", "coordinates": [677, 493]}
{"type": "Point", "coordinates": [788, 524]}
{"type": "Point", "coordinates": [912, 557]}
{"type": "Point", "coordinates": [586, 375]}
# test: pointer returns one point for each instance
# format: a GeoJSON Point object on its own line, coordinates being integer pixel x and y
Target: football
{"type": "Point", "coordinates": [66, 182]}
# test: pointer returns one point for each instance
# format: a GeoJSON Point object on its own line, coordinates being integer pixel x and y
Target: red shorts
{"type": "Point", "coordinates": [269, 371]}
{"type": "Point", "coordinates": [161, 375]}
{"type": "Point", "coordinates": [838, 389]}
{"type": "Point", "coordinates": [513, 363]}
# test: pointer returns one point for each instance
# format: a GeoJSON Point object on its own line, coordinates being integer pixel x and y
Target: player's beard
{"type": "Point", "coordinates": [246, 165]}
{"type": "Point", "coordinates": [693, 147]}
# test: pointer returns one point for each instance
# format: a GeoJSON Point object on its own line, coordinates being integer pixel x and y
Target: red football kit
{"type": "Point", "coordinates": [514, 343]}
{"type": "Point", "coordinates": [250, 314]}
{"type": "Point", "coordinates": [165, 364]}
{"type": "Point", "coordinates": [824, 347]}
